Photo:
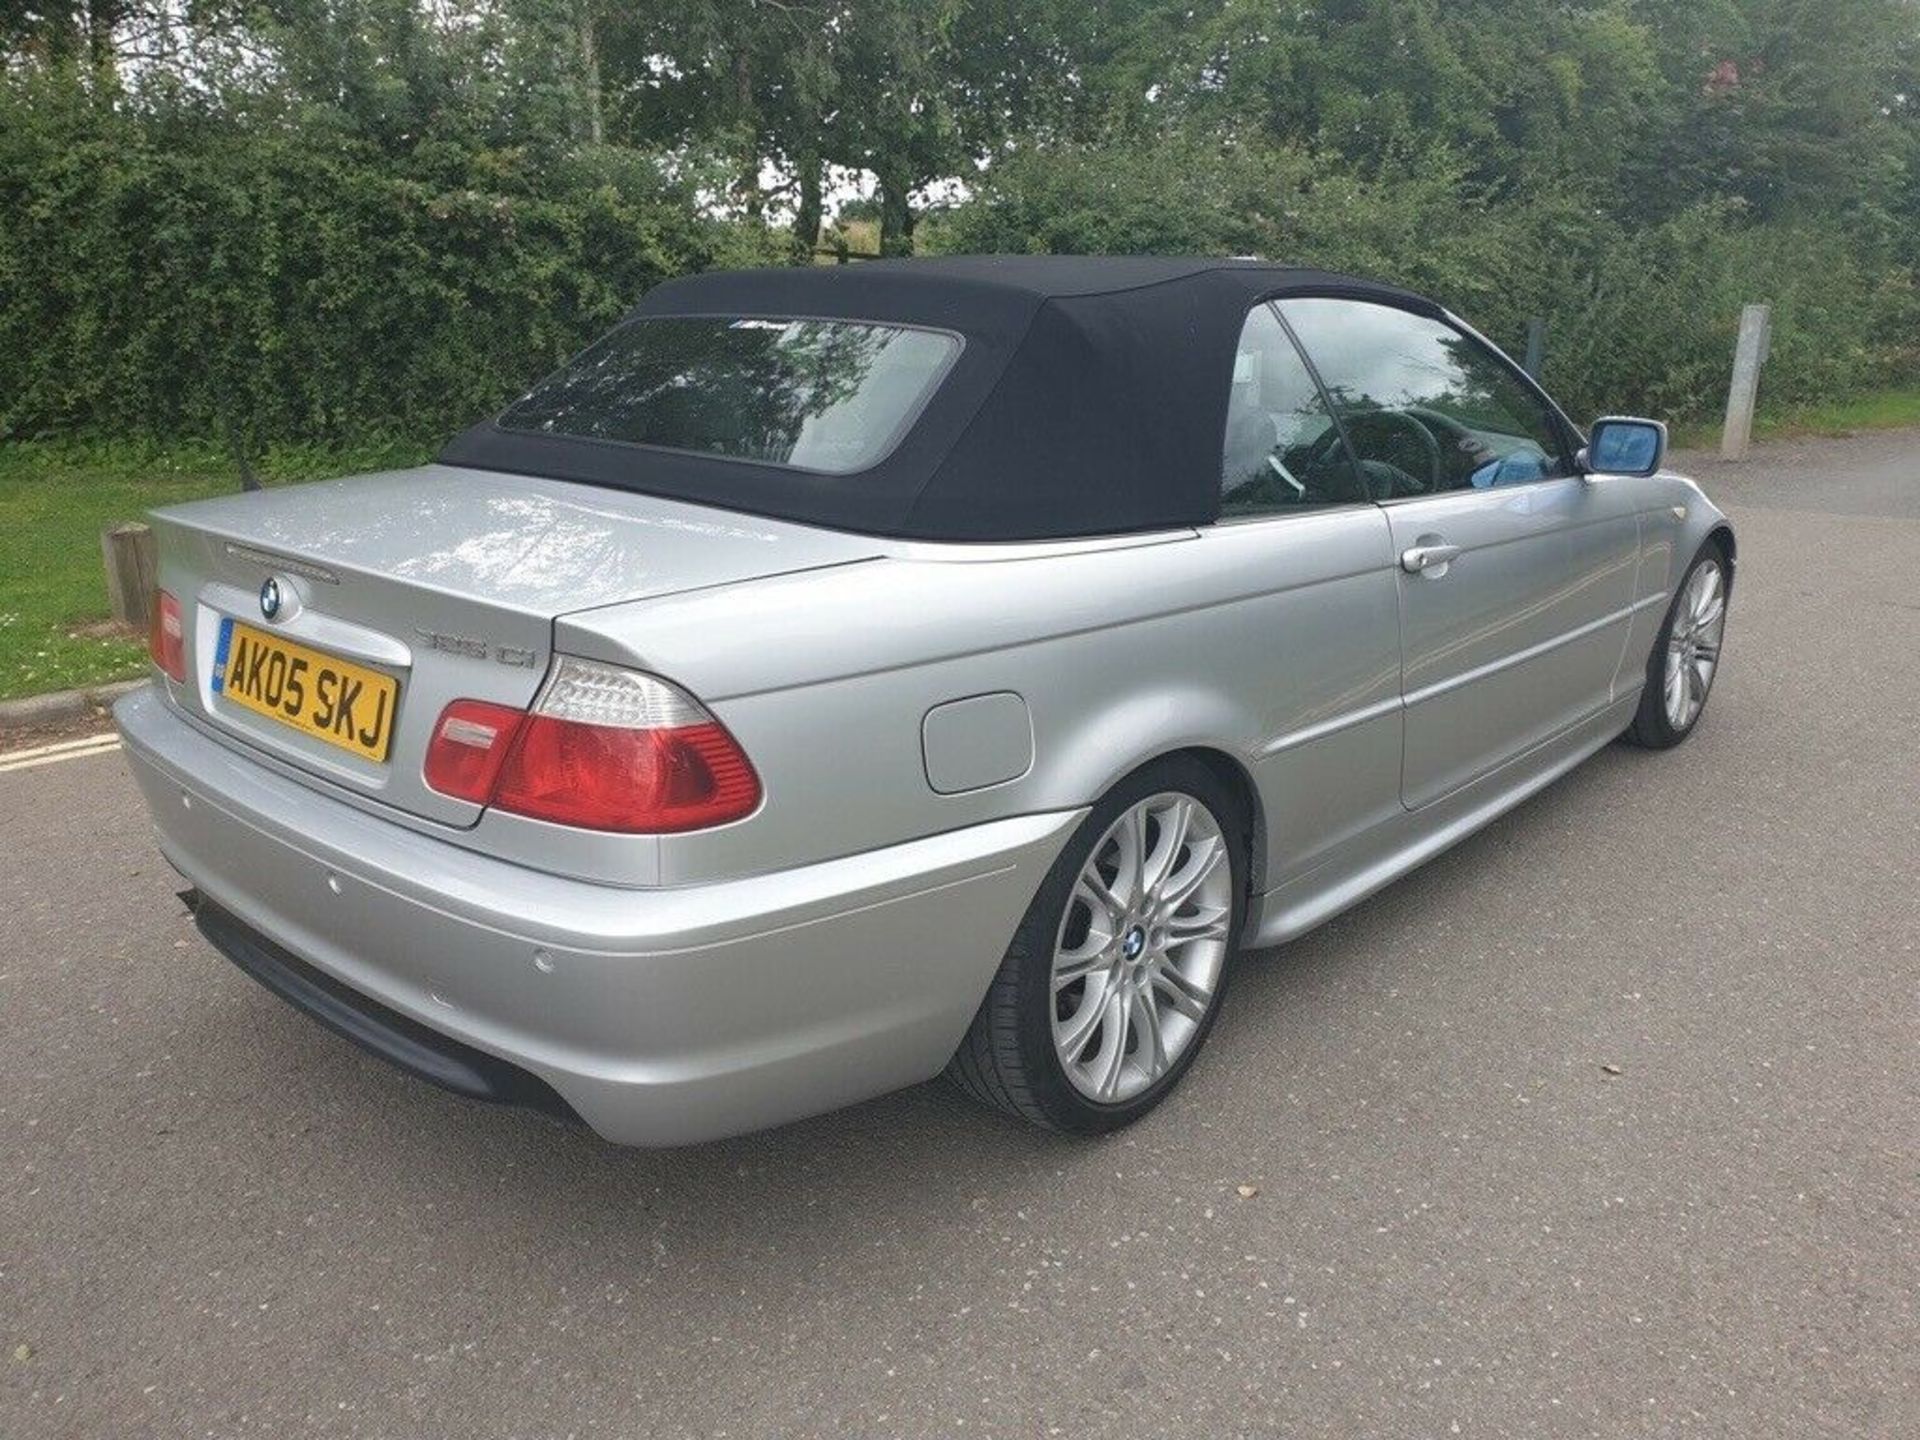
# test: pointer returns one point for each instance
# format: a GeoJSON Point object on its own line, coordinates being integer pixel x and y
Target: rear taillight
{"type": "Point", "coordinates": [471, 741]}
{"type": "Point", "coordinates": [167, 637]}
{"type": "Point", "coordinates": [603, 749]}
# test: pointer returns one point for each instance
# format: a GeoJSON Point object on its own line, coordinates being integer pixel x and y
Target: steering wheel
{"type": "Point", "coordinates": [1402, 481]}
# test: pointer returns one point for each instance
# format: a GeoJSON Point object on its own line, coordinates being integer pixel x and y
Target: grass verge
{"type": "Point", "coordinates": [1876, 410]}
{"type": "Point", "coordinates": [55, 497]}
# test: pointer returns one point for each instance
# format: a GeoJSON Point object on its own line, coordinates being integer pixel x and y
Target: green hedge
{"type": "Point", "coordinates": [1639, 318]}
{"type": "Point", "coordinates": [178, 276]}
{"type": "Point", "coordinates": [175, 280]}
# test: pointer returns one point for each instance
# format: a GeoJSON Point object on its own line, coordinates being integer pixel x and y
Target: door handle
{"type": "Point", "coordinates": [1429, 559]}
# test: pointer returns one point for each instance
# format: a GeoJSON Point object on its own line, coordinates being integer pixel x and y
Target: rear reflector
{"type": "Point", "coordinates": [603, 749]}
{"type": "Point", "coordinates": [167, 637]}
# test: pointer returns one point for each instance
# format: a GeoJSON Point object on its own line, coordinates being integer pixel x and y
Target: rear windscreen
{"type": "Point", "coordinates": [827, 395]}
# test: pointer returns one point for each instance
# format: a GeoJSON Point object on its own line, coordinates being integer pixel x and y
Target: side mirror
{"type": "Point", "coordinates": [1623, 446]}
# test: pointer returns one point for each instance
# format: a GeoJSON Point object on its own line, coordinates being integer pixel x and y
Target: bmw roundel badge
{"type": "Point", "coordinates": [270, 597]}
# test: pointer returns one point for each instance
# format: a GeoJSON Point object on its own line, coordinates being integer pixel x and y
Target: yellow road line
{"type": "Point", "coordinates": [54, 754]}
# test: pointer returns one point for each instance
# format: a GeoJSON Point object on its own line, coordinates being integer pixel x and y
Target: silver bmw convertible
{"type": "Point", "coordinates": [835, 677]}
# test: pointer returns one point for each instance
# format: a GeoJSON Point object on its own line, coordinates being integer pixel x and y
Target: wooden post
{"type": "Point", "coordinates": [1756, 340]}
{"type": "Point", "coordinates": [131, 573]}
{"type": "Point", "coordinates": [1536, 345]}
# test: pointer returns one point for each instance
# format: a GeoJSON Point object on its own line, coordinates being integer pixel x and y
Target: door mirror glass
{"type": "Point", "coordinates": [1621, 446]}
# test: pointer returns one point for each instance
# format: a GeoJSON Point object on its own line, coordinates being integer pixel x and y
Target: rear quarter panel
{"type": "Point", "coordinates": [1262, 641]}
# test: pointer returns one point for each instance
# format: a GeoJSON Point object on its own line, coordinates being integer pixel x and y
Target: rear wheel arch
{"type": "Point", "coordinates": [1084, 753]}
{"type": "Point", "coordinates": [1237, 778]}
{"type": "Point", "coordinates": [1234, 776]}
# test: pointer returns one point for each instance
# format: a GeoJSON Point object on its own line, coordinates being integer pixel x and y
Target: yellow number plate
{"type": "Point", "coordinates": [317, 694]}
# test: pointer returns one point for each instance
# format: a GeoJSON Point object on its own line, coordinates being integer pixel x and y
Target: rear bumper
{"type": "Point", "coordinates": [658, 1016]}
{"type": "Point", "coordinates": [438, 1059]}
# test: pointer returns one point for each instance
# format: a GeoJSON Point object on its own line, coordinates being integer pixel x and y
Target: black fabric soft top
{"type": "Point", "coordinates": [1090, 397]}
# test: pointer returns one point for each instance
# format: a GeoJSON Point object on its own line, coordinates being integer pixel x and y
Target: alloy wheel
{"type": "Point", "coordinates": [1693, 647]}
{"type": "Point", "coordinates": [1141, 948]}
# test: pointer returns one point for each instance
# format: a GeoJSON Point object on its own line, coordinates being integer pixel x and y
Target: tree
{"type": "Point", "coordinates": [1792, 106]}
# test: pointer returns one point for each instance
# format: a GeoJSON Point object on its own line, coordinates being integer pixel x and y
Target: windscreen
{"type": "Point", "coordinates": [822, 395]}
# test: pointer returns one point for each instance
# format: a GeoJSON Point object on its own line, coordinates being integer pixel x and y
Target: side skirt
{"type": "Point", "coordinates": [1383, 855]}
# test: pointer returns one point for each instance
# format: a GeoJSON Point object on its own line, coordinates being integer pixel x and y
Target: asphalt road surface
{"type": "Point", "coordinates": [216, 1218]}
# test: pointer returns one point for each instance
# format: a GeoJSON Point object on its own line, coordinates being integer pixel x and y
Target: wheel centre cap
{"type": "Point", "coordinates": [1133, 942]}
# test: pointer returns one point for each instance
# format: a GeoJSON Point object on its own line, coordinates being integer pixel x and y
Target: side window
{"type": "Point", "coordinates": [1283, 451]}
{"type": "Point", "coordinates": [1428, 409]}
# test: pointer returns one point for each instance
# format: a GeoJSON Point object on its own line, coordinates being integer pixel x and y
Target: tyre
{"type": "Point", "coordinates": [1118, 969]}
{"type": "Point", "coordinates": [1686, 656]}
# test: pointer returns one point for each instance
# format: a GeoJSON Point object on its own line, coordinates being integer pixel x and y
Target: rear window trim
{"type": "Point", "coordinates": [894, 440]}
